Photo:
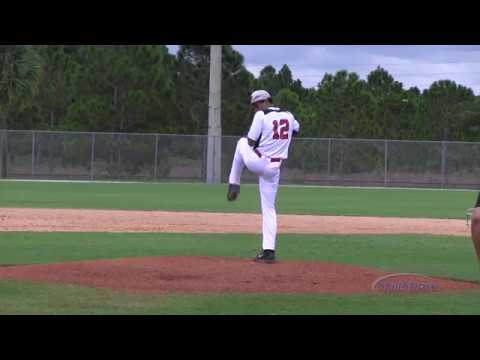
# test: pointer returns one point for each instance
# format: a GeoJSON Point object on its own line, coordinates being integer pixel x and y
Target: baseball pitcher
{"type": "Point", "coordinates": [262, 152]}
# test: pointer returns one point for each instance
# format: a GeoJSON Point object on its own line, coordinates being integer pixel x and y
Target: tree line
{"type": "Point", "coordinates": [144, 88]}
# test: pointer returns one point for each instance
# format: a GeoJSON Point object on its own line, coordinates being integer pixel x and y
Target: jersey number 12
{"type": "Point", "coordinates": [285, 127]}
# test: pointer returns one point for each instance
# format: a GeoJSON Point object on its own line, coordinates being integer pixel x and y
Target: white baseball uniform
{"type": "Point", "coordinates": [273, 129]}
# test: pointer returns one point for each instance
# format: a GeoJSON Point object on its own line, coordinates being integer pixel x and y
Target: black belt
{"type": "Point", "coordinates": [271, 159]}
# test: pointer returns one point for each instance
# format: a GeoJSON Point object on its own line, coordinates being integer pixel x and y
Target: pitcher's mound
{"type": "Point", "coordinates": [221, 275]}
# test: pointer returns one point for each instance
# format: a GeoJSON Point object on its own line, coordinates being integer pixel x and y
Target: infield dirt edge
{"type": "Point", "coordinates": [121, 221]}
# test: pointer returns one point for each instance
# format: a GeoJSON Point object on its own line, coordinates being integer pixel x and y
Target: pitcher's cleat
{"type": "Point", "coordinates": [266, 257]}
{"type": "Point", "coordinates": [233, 192]}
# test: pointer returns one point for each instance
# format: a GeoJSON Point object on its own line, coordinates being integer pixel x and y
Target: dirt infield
{"type": "Point", "coordinates": [216, 274]}
{"type": "Point", "coordinates": [164, 275]}
{"type": "Point", "coordinates": [68, 220]}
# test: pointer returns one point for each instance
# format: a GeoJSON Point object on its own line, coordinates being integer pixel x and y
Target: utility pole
{"type": "Point", "coordinates": [214, 150]}
{"type": "Point", "coordinates": [3, 153]}
{"type": "Point", "coordinates": [3, 146]}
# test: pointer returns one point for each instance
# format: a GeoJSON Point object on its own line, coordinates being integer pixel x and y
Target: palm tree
{"type": "Point", "coordinates": [20, 71]}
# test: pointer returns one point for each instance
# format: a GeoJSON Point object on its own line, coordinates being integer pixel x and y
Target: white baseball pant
{"type": "Point", "coordinates": [269, 177]}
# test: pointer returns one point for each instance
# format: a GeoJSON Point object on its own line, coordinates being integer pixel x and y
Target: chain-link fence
{"type": "Point", "coordinates": [155, 157]}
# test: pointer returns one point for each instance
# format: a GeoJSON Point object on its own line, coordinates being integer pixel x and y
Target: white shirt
{"type": "Point", "coordinates": [274, 128]}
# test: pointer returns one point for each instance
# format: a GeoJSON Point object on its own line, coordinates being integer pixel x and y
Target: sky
{"type": "Point", "coordinates": [412, 65]}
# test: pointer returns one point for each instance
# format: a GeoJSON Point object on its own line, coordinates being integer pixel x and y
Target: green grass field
{"type": "Point", "coordinates": [442, 256]}
{"type": "Point", "coordinates": [211, 198]}
{"type": "Point", "coordinates": [32, 299]}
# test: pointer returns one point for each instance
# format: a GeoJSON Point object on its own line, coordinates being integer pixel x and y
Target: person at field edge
{"type": "Point", "coordinates": [262, 152]}
{"type": "Point", "coordinates": [475, 227]}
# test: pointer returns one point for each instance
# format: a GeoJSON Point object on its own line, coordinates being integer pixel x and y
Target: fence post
{"type": "Point", "coordinates": [342, 161]}
{"type": "Point", "coordinates": [329, 159]}
{"type": "Point", "coordinates": [386, 164]}
{"type": "Point", "coordinates": [6, 154]}
{"type": "Point", "coordinates": [156, 159]}
{"type": "Point", "coordinates": [2, 154]}
{"type": "Point", "coordinates": [444, 162]}
{"type": "Point", "coordinates": [33, 153]}
{"type": "Point", "coordinates": [205, 158]}
{"type": "Point", "coordinates": [92, 159]}
{"type": "Point", "coordinates": [214, 159]}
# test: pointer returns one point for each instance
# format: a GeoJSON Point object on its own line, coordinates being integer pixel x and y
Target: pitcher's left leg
{"type": "Point", "coordinates": [244, 157]}
{"type": "Point", "coordinates": [238, 165]}
{"type": "Point", "coordinates": [234, 180]}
